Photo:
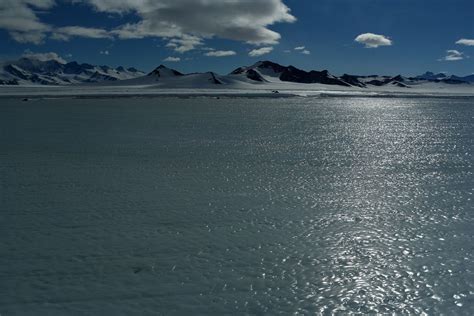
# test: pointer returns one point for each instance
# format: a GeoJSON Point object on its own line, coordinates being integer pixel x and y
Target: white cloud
{"type": "Point", "coordinates": [104, 52]}
{"type": "Point", "coordinates": [43, 56]}
{"type": "Point", "coordinates": [28, 37]}
{"type": "Point", "coordinates": [465, 41]}
{"type": "Point", "coordinates": [220, 53]}
{"type": "Point", "coordinates": [371, 40]}
{"type": "Point", "coordinates": [185, 43]}
{"type": "Point", "coordinates": [240, 20]}
{"type": "Point", "coordinates": [186, 23]}
{"type": "Point", "coordinates": [302, 50]}
{"type": "Point", "coordinates": [260, 51]}
{"type": "Point", "coordinates": [172, 59]}
{"type": "Point", "coordinates": [19, 18]}
{"type": "Point", "coordinates": [65, 33]}
{"type": "Point", "coordinates": [453, 55]}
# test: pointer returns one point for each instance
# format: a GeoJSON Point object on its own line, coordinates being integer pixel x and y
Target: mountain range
{"type": "Point", "coordinates": [30, 71]}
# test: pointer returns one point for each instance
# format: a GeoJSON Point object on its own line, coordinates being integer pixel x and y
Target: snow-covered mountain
{"type": "Point", "coordinates": [31, 71]}
{"type": "Point", "coordinates": [431, 76]}
{"type": "Point", "coordinates": [261, 75]}
{"type": "Point", "coordinates": [469, 78]}
{"type": "Point", "coordinates": [164, 77]}
{"type": "Point", "coordinates": [267, 71]}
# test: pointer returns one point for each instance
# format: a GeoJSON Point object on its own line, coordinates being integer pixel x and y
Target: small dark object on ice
{"type": "Point", "coordinates": [26, 99]}
{"type": "Point", "coordinates": [137, 270]}
{"type": "Point", "coordinates": [275, 91]}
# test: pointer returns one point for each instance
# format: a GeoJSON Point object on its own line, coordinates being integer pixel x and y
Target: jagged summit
{"type": "Point", "coordinates": [263, 64]}
{"type": "Point", "coordinates": [267, 71]}
{"type": "Point", "coordinates": [432, 76]}
{"type": "Point", "coordinates": [163, 71]}
{"type": "Point", "coordinates": [28, 71]}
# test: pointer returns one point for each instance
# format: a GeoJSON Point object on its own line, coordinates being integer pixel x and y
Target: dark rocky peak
{"type": "Point", "coordinates": [239, 71]}
{"type": "Point", "coordinates": [398, 78]}
{"type": "Point", "coordinates": [98, 77]}
{"type": "Point", "coordinates": [16, 71]}
{"type": "Point", "coordinates": [163, 71]}
{"type": "Point", "coordinates": [265, 64]}
{"type": "Point", "coordinates": [254, 75]}
{"type": "Point", "coordinates": [353, 80]}
{"type": "Point", "coordinates": [293, 74]}
{"type": "Point", "coordinates": [87, 66]}
{"type": "Point", "coordinates": [73, 68]}
{"type": "Point", "coordinates": [38, 66]}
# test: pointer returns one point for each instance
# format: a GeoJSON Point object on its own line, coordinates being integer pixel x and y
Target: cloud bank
{"type": "Point", "coordinates": [65, 33]}
{"type": "Point", "coordinates": [185, 23]}
{"type": "Point", "coordinates": [19, 18]}
{"type": "Point", "coordinates": [240, 20]}
{"type": "Point", "coordinates": [371, 40]}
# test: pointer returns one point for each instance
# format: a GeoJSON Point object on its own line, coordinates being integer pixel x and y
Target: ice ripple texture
{"type": "Point", "coordinates": [237, 206]}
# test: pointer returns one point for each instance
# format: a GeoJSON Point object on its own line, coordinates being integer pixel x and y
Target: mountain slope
{"type": "Point", "coordinates": [267, 71]}
{"type": "Point", "coordinates": [164, 77]}
{"type": "Point", "coordinates": [30, 71]}
{"type": "Point", "coordinates": [262, 75]}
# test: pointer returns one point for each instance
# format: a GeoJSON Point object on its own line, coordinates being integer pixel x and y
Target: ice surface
{"type": "Point", "coordinates": [206, 206]}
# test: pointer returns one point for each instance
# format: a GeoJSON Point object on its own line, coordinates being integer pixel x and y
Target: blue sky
{"type": "Point", "coordinates": [393, 36]}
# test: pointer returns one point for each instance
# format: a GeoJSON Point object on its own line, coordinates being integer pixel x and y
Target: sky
{"type": "Point", "coordinates": [360, 37]}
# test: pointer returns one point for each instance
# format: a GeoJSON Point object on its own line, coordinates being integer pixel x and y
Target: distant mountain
{"type": "Point", "coordinates": [466, 78]}
{"type": "Point", "coordinates": [165, 77]}
{"type": "Point", "coordinates": [30, 71]}
{"type": "Point", "coordinates": [162, 72]}
{"type": "Point", "coordinates": [431, 76]}
{"type": "Point", "coordinates": [267, 71]}
{"type": "Point", "coordinates": [270, 72]}
{"type": "Point", "coordinates": [441, 77]}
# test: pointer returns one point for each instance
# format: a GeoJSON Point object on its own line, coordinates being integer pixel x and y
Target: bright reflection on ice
{"type": "Point", "coordinates": [237, 206]}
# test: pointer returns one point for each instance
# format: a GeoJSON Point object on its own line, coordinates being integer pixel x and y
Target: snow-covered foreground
{"type": "Point", "coordinates": [236, 206]}
{"type": "Point", "coordinates": [233, 89]}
